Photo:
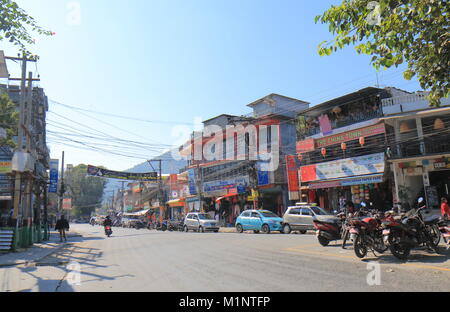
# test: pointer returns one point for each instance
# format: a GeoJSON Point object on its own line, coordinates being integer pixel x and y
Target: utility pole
{"type": "Point", "coordinates": [123, 196]}
{"type": "Point", "coordinates": [62, 188]}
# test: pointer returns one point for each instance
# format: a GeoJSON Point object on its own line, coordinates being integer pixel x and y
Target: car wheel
{"type": "Point", "coordinates": [265, 229]}
{"type": "Point", "coordinates": [201, 229]}
{"type": "Point", "coordinates": [286, 229]}
{"type": "Point", "coordinates": [186, 229]}
{"type": "Point", "coordinates": [239, 228]}
{"type": "Point", "coordinates": [303, 232]}
{"type": "Point", "coordinates": [256, 231]}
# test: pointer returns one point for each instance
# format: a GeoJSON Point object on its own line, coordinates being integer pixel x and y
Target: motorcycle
{"type": "Point", "coordinates": [444, 229]}
{"type": "Point", "coordinates": [162, 226]}
{"type": "Point", "coordinates": [108, 230]}
{"type": "Point", "coordinates": [366, 235]}
{"type": "Point", "coordinates": [328, 229]}
{"type": "Point", "coordinates": [404, 234]}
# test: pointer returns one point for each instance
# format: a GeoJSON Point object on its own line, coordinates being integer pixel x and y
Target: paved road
{"type": "Point", "coordinates": [142, 260]}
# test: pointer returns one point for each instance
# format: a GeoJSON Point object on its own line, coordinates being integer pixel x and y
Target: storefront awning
{"type": "Point", "coordinates": [349, 181]}
{"type": "Point", "coordinates": [225, 196]}
{"type": "Point", "coordinates": [176, 202]}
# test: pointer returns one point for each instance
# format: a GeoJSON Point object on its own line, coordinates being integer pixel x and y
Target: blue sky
{"type": "Point", "coordinates": [178, 60]}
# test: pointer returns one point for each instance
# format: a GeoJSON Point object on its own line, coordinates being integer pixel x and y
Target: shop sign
{"type": "Point", "coordinates": [292, 174]}
{"type": "Point", "coordinates": [240, 182]}
{"type": "Point", "coordinates": [191, 182]}
{"type": "Point", "coordinates": [363, 165]}
{"type": "Point", "coordinates": [104, 173]}
{"type": "Point", "coordinates": [351, 135]}
{"type": "Point", "coordinates": [5, 166]}
{"type": "Point", "coordinates": [314, 186]}
{"type": "Point", "coordinates": [305, 146]}
{"type": "Point", "coordinates": [53, 187]}
{"type": "Point", "coordinates": [67, 203]}
{"type": "Point", "coordinates": [442, 163]}
{"type": "Point", "coordinates": [363, 180]}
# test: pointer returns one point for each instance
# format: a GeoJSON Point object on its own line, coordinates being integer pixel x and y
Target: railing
{"type": "Point", "coordinates": [410, 98]}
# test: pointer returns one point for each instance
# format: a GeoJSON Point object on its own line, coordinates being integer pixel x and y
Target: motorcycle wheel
{"type": "Point", "coordinates": [359, 247]}
{"type": "Point", "coordinates": [435, 234]}
{"type": "Point", "coordinates": [400, 251]}
{"type": "Point", "coordinates": [323, 241]}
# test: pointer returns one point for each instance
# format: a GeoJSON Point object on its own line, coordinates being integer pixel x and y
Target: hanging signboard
{"type": "Point", "coordinates": [67, 204]}
{"type": "Point", "coordinates": [191, 182]}
{"type": "Point", "coordinates": [104, 173]}
{"type": "Point", "coordinates": [53, 187]}
{"type": "Point", "coordinates": [363, 165]}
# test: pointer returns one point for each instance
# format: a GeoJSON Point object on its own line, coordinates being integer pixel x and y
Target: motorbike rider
{"type": "Point", "coordinates": [107, 222]}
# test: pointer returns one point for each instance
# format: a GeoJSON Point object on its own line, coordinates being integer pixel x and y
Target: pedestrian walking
{"type": "Point", "coordinates": [62, 226]}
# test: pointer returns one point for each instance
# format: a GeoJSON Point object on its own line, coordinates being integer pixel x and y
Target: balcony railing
{"type": "Point", "coordinates": [438, 144]}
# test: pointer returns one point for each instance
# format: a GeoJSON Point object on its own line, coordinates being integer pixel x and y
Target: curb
{"type": "Point", "coordinates": [35, 261]}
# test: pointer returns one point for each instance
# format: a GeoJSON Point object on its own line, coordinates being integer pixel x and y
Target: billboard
{"type": "Point", "coordinates": [53, 186]}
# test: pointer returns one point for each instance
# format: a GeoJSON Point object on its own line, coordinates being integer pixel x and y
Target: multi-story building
{"type": "Point", "coordinates": [419, 147]}
{"type": "Point", "coordinates": [237, 154]}
{"type": "Point", "coordinates": [341, 151]}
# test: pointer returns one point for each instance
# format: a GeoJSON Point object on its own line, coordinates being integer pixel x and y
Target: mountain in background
{"type": "Point", "coordinates": [169, 166]}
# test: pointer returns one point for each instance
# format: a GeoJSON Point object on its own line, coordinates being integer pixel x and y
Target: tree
{"type": "Point", "coordinates": [14, 22]}
{"type": "Point", "coordinates": [8, 120]}
{"type": "Point", "coordinates": [393, 32]}
{"type": "Point", "coordinates": [86, 191]}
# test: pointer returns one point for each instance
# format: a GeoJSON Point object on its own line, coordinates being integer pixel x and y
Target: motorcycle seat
{"type": "Point", "coordinates": [432, 220]}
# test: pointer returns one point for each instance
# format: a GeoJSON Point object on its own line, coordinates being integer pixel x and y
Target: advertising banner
{"type": "Point", "coordinates": [191, 182]}
{"type": "Point", "coordinates": [53, 187]}
{"type": "Point", "coordinates": [67, 204]}
{"type": "Point", "coordinates": [240, 183]}
{"type": "Point", "coordinates": [305, 146]}
{"type": "Point", "coordinates": [363, 165]}
{"type": "Point", "coordinates": [5, 166]}
{"type": "Point", "coordinates": [292, 173]}
{"type": "Point", "coordinates": [104, 173]}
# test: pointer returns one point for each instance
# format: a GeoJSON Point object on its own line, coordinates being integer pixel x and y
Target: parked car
{"type": "Point", "coordinates": [300, 217]}
{"type": "Point", "coordinates": [259, 220]}
{"type": "Point", "coordinates": [200, 222]}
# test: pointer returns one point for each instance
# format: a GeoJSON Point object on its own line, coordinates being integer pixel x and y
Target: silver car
{"type": "Point", "coordinates": [300, 218]}
{"type": "Point", "coordinates": [200, 222]}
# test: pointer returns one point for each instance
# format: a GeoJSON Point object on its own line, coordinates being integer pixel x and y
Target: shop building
{"type": "Point", "coordinates": [341, 151]}
{"type": "Point", "coordinates": [419, 149]}
{"type": "Point", "coordinates": [238, 181]}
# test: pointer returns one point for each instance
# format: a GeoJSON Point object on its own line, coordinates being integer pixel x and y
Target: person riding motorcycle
{"type": "Point", "coordinates": [107, 222]}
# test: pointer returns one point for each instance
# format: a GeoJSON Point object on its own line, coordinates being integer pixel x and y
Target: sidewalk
{"type": "Point", "coordinates": [35, 253]}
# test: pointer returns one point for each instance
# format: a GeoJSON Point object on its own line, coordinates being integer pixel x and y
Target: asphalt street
{"type": "Point", "coordinates": [143, 260]}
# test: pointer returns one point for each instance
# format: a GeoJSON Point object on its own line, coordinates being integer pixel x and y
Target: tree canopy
{"type": "Point", "coordinates": [86, 191]}
{"type": "Point", "coordinates": [8, 120]}
{"type": "Point", "coordinates": [393, 32]}
{"type": "Point", "coordinates": [16, 25]}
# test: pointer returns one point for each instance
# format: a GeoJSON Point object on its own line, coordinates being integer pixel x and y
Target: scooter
{"type": "Point", "coordinates": [328, 229]}
{"type": "Point", "coordinates": [108, 230]}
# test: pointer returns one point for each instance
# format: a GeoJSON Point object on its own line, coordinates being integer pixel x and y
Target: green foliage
{"type": "Point", "coordinates": [393, 32]}
{"type": "Point", "coordinates": [8, 120]}
{"type": "Point", "coordinates": [15, 25]}
{"type": "Point", "coordinates": [86, 191]}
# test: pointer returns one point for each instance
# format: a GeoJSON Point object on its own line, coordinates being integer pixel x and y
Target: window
{"type": "Point", "coordinates": [246, 214]}
{"type": "Point", "coordinates": [255, 215]}
{"type": "Point", "coordinates": [306, 212]}
{"type": "Point", "coordinates": [294, 211]}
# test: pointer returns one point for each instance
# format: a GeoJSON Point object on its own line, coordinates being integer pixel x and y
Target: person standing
{"type": "Point", "coordinates": [445, 209]}
{"type": "Point", "coordinates": [62, 226]}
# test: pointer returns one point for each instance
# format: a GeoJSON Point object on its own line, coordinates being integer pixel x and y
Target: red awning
{"type": "Point", "coordinates": [225, 196]}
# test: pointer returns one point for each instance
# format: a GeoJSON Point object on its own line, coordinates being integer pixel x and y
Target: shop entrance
{"type": "Point", "coordinates": [441, 181]}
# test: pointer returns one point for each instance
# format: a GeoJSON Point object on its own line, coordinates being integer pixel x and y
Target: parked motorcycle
{"type": "Point", "coordinates": [108, 230]}
{"type": "Point", "coordinates": [328, 228]}
{"type": "Point", "coordinates": [411, 231]}
{"type": "Point", "coordinates": [161, 226]}
{"type": "Point", "coordinates": [366, 235]}
{"type": "Point", "coordinates": [444, 229]}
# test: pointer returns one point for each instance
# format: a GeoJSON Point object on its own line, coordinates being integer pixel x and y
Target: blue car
{"type": "Point", "coordinates": [259, 220]}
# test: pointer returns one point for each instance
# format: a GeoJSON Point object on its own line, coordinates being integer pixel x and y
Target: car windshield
{"type": "Point", "coordinates": [268, 214]}
{"type": "Point", "coordinates": [318, 211]}
{"type": "Point", "coordinates": [205, 217]}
